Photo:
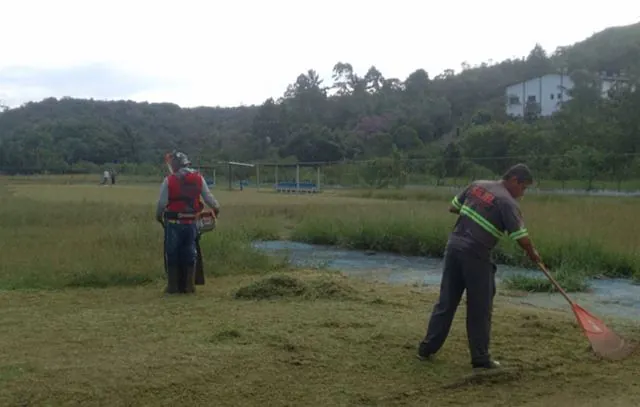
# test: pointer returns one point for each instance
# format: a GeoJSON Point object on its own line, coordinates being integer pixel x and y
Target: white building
{"type": "Point", "coordinates": [547, 93]}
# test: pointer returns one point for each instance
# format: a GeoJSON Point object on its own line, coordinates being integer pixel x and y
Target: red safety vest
{"type": "Point", "coordinates": [184, 193]}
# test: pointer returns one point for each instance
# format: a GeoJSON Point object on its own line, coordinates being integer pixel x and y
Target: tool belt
{"type": "Point", "coordinates": [178, 217]}
{"type": "Point", "coordinates": [205, 220]}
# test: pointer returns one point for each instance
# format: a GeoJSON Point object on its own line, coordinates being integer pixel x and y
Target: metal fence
{"type": "Point", "coordinates": [621, 173]}
{"type": "Point", "coordinates": [613, 173]}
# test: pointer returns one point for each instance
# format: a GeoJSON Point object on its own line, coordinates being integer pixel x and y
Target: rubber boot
{"type": "Point", "coordinates": [190, 284]}
{"type": "Point", "coordinates": [173, 274]}
{"type": "Point", "coordinates": [182, 278]}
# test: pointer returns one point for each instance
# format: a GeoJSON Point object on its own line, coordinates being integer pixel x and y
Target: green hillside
{"type": "Point", "coordinates": [359, 115]}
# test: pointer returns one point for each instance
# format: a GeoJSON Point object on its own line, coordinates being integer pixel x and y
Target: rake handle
{"type": "Point", "coordinates": [555, 283]}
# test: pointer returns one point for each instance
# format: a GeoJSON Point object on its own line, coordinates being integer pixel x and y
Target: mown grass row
{"type": "Point", "coordinates": [289, 339]}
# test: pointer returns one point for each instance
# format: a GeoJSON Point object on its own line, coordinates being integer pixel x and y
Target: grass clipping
{"type": "Point", "coordinates": [284, 286]}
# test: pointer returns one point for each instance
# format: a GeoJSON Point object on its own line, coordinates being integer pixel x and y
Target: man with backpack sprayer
{"type": "Point", "coordinates": [485, 209]}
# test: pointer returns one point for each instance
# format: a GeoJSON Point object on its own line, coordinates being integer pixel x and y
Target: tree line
{"type": "Point", "coordinates": [452, 122]}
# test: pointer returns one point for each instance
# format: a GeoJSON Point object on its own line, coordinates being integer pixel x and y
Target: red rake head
{"type": "Point", "coordinates": [604, 342]}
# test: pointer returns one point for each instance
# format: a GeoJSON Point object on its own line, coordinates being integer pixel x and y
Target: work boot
{"type": "Point", "coordinates": [189, 279]}
{"type": "Point", "coordinates": [423, 355]}
{"type": "Point", "coordinates": [425, 358]}
{"type": "Point", "coordinates": [199, 276]}
{"type": "Point", "coordinates": [173, 274]}
{"type": "Point", "coordinates": [182, 278]}
{"type": "Point", "coordinates": [492, 365]}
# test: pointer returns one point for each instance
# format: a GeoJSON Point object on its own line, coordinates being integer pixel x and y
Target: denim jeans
{"type": "Point", "coordinates": [180, 244]}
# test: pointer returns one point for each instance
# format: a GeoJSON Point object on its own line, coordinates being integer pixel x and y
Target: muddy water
{"type": "Point", "coordinates": [606, 297]}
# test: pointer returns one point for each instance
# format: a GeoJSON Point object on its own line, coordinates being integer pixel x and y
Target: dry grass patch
{"type": "Point", "coordinates": [131, 346]}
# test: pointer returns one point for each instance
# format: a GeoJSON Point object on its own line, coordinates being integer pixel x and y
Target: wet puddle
{"type": "Point", "coordinates": [606, 297]}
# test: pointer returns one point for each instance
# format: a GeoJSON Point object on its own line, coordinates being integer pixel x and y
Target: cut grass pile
{"type": "Point", "coordinates": [281, 286]}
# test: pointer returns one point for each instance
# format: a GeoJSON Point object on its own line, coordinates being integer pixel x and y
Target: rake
{"type": "Point", "coordinates": [604, 342]}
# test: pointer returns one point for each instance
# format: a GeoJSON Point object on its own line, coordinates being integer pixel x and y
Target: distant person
{"type": "Point", "coordinates": [105, 177]}
{"type": "Point", "coordinates": [485, 209]}
{"type": "Point", "coordinates": [113, 177]}
{"type": "Point", "coordinates": [181, 197]}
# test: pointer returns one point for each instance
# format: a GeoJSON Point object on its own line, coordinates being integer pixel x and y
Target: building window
{"type": "Point", "coordinates": [559, 95]}
{"type": "Point", "coordinates": [551, 96]}
{"type": "Point", "coordinates": [514, 100]}
{"type": "Point", "coordinates": [531, 98]}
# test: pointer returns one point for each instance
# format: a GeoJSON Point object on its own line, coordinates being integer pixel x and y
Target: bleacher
{"type": "Point", "coordinates": [292, 187]}
{"type": "Point", "coordinates": [211, 183]}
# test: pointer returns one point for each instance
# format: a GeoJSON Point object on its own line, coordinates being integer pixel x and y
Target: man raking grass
{"type": "Point", "coordinates": [486, 208]}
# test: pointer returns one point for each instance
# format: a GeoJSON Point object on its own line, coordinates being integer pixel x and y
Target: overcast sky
{"type": "Point", "coordinates": [243, 51]}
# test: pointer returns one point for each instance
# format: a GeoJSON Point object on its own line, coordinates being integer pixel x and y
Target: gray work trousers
{"type": "Point", "coordinates": [463, 270]}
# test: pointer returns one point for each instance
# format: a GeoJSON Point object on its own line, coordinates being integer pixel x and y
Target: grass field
{"type": "Point", "coordinates": [578, 237]}
{"type": "Point", "coordinates": [86, 323]}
